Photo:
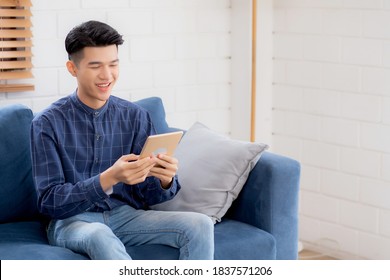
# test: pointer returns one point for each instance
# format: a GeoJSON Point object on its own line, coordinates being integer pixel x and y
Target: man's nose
{"type": "Point", "coordinates": [105, 73]}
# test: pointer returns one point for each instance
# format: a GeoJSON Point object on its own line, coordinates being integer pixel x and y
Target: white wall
{"type": "Point", "coordinates": [264, 72]}
{"type": "Point", "coordinates": [331, 111]}
{"type": "Point", "coordinates": [176, 49]}
{"type": "Point", "coordinates": [241, 69]}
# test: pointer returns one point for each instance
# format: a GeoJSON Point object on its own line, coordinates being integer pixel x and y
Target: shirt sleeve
{"type": "Point", "coordinates": [56, 198]}
{"type": "Point", "coordinates": [156, 194]}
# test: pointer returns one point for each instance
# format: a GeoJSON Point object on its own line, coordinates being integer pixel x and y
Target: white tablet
{"type": "Point", "coordinates": [165, 143]}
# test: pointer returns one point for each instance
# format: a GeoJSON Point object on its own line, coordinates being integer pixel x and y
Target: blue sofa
{"type": "Point", "coordinates": [261, 224]}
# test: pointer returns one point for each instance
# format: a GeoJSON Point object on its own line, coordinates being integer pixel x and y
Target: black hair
{"type": "Point", "coordinates": [90, 34]}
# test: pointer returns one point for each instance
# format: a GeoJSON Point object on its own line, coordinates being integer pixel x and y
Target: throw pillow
{"type": "Point", "coordinates": [212, 171]}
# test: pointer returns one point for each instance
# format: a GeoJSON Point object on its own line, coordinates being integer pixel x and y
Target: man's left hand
{"type": "Point", "coordinates": [165, 169]}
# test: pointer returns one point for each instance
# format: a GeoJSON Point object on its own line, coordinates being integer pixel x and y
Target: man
{"type": "Point", "coordinates": [89, 178]}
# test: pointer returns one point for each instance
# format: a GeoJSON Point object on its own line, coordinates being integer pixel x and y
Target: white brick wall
{"type": "Point", "coordinates": [176, 49]}
{"type": "Point", "coordinates": [331, 100]}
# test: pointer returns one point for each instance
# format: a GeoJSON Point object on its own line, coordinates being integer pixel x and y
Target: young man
{"type": "Point", "coordinates": [89, 178]}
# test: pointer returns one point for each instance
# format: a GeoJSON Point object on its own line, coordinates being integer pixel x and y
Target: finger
{"type": "Point", "coordinates": [130, 157]}
{"type": "Point", "coordinates": [167, 158]}
{"type": "Point", "coordinates": [161, 175]}
{"type": "Point", "coordinates": [161, 172]}
{"type": "Point", "coordinates": [164, 169]}
{"type": "Point", "coordinates": [138, 174]}
{"type": "Point", "coordinates": [141, 164]}
{"type": "Point", "coordinates": [167, 162]}
{"type": "Point", "coordinates": [160, 166]}
{"type": "Point", "coordinates": [165, 180]}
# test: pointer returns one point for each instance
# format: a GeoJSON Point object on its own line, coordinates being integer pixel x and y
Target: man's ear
{"type": "Point", "coordinates": [72, 68]}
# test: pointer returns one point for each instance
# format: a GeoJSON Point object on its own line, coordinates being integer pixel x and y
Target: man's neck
{"type": "Point", "coordinates": [93, 104]}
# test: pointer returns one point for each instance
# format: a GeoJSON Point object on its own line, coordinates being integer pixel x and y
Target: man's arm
{"type": "Point", "coordinates": [162, 183]}
{"type": "Point", "coordinates": [56, 197]}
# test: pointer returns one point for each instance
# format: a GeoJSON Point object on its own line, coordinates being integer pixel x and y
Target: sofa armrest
{"type": "Point", "coordinates": [269, 201]}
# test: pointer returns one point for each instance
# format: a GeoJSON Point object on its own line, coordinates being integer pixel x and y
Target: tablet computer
{"type": "Point", "coordinates": [165, 143]}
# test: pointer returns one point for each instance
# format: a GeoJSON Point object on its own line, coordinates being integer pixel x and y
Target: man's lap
{"type": "Point", "coordinates": [131, 225]}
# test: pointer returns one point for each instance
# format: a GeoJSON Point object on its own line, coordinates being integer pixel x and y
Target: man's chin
{"type": "Point", "coordinates": [104, 94]}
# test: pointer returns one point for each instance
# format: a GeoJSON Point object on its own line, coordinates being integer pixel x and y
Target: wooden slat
{"type": "Point", "coordinates": [15, 3]}
{"type": "Point", "coordinates": [8, 33]}
{"type": "Point", "coordinates": [15, 64]}
{"type": "Point", "coordinates": [16, 44]}
{"type": "Point", "coordinates": [18, 23]}
{"type": "Point", "coordinates": [16, 75]}
{"type": "Point", "coordinates": [15, 54]}
{"type": "Point", "coordinates": [15, 13]}
{"type": "Point", "coordinates": [16, 88]}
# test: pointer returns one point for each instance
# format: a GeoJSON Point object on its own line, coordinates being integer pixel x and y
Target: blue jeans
{"type": "Point", "coordinates": [106, 235]}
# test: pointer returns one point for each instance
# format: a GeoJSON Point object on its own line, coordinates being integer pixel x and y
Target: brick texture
{"type": "Point", "coordinates": [173, 49]}
{"type": "Point", "coordinates": [331, 111]}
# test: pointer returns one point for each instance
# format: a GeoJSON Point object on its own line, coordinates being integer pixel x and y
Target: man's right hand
{"type": "Point", "coordinates": [128, 169]}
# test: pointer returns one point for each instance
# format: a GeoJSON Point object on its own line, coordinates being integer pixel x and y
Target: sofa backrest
{"type": "Point", "coordinates": [155, 107]}
{"type": "Point", "coordinates": [18, 200]}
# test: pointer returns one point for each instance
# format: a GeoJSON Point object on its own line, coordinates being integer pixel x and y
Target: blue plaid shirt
{"type": "Point", "coordinates": [71, 144]}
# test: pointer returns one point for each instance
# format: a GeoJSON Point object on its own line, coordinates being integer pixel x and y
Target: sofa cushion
{"type": "Point", "coordinates": [23, 232]}
{"type": "Point", "coordinates": [235, 240]}
{"type": "Point", "coordinates": [17, 193]}
{"type": "Point", "coordinates": [212, 171]}
{"type": "Point", "coordinates": [153, 252]}
{"type": "Point", "coordinates": [27, 241]}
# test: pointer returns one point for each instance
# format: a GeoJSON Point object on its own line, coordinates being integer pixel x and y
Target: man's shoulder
{"type": "Point", "coordinates": [54, 109]}
{"type": "Point", "coordinates": [126, 105]}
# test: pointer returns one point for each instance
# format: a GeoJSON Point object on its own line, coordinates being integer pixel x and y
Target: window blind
{"type": "Point", "coordinates": [15, 45]}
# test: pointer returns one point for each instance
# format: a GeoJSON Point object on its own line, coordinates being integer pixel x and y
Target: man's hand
{"type": "Point", "coordinates": [164, 169]}
{"type": "Point", "coordinates": [128, 169]}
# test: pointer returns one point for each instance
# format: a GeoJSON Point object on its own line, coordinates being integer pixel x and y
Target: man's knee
{"type": "Point", "coordinates": [97, 232]}
{"type": "Point", "coordinates": [206, 223]}
{"type": "Point", "coordinates": [202, 225]}
{"type": "Point", "coordinates": [200, 238]}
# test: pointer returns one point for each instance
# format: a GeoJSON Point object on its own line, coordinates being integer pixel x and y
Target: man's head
{"type": "Point", "coordinates": [90, 34]}
{"type": "Point", "coordinates": [93, 59]}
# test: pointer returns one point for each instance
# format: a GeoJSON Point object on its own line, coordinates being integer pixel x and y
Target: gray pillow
{"type": "Point", "coordinates": [212, 171]}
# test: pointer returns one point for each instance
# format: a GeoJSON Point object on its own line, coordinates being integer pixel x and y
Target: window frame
{"type": "Point", "coordinates": [15, 46]}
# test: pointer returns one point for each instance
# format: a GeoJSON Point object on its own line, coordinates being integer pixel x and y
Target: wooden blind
{"type": "Point", "coordinates": [15, 45]}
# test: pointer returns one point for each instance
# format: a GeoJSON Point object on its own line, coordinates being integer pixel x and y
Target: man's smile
{"type": "Point", "coordinates": [105, 85]}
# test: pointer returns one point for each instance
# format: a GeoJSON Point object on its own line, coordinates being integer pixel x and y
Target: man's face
{"type": "Point", "coordinates": [96, 74]}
